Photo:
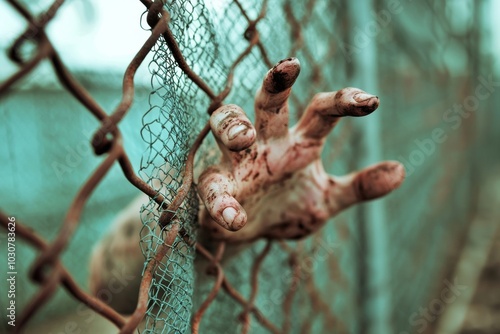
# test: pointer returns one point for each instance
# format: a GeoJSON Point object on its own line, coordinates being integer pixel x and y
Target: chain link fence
{"type": "Point", "coordinates": [205, 54]}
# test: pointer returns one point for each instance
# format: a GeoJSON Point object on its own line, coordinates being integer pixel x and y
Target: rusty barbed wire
{"type": "Point", "coordinates": [47, 269]}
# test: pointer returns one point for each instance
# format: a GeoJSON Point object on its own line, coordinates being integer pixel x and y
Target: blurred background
{"type": "Point", "coordinates": [425, 259]}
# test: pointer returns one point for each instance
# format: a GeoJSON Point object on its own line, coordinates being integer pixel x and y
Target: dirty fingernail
{"type": "Point", "coordinates": [229, 214]}
{"type": "Point", "coordinates": [361, 97]}
{"type": "Point", "coordinates": [282, 76]}
{"type": "Point", "coordinates": [235, 131]}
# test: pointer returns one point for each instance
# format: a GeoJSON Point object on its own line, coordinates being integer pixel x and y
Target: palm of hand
{"type": "Point", "coordinates": [271, 182]}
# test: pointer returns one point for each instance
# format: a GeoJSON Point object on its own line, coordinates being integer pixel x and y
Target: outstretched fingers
{"type": "Point", "coordinates": [216, 189]}
{"type": "Point", "coordinates": [271, 101]}
{"type": "Point", "coordinates": [325, 110]}
{"type": "Point", "coordinates": [370, 183]}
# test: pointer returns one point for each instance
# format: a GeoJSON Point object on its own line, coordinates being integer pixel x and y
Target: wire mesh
{"type": "Point", "coordinates": [194, 24]}
{"type": "Point", "coordinates": [203, 55]}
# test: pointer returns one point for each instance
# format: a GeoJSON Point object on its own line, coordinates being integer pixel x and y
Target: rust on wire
{"type": "Point", "coordinates": [99, 141]}
{"type": "Point", "coordinates": [41, 297]}
{"type": "Point", "coordinates": [197, 316]}
{"type": "Point", "coordinates": [182, 192]}
{"type": "Point", "coordinates": [252, 29]}
{"type": "Point", "coordinates": [43, 51]}
{"type": "Point", "coordinates": [232, 292]}
{"type": "Point", "coordinates": [47, 270]}
{"type": "Point", "coordinates": [254, 283]}
{"type": "Point", "coordinates": [142, 303]}
{"type": "Point", "coordinates": [34, 30]}
{"type": "Point", "coordinates": [287, 302]}
{"type": "Point", "coordinates": [167, 215]}
{"type": "Point", "coordinates": [50, 255]}
{"type": "Point", "coordinates": [67, 280]}
{"type": "Point", "coordinates": [174, 48]}
{"type": "Point", "coordinates": [196, 319]}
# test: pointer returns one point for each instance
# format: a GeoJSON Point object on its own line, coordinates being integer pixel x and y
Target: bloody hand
{"type": "Point", "coordinates": [271, 182]}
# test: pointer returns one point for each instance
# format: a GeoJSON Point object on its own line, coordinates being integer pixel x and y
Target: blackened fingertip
{"type": "Point", "coordinates": [282, 76]}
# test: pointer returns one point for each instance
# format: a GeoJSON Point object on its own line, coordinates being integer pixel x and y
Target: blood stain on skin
{"type": "Point", "coordinates": [281, 80]}
{"type": "Point", "coordinates": [245, 178]}
{"type": "Point", "coordinates": [359, 188]}
{"type": "Point", "coordinates": [264, 155]}
{"type": "Point", "coordinates": [263, 126]}
{"type": "Point", "coordinates": [211, 197]}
